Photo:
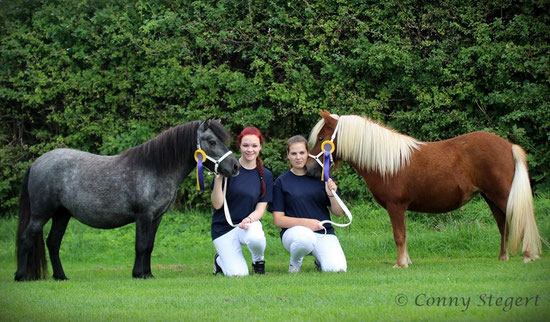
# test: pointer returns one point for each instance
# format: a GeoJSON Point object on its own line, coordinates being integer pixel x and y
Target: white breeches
{"type": "Point", "coordinates": [301, 241]}
{"type": "Point", "coordinates": [231, 258]}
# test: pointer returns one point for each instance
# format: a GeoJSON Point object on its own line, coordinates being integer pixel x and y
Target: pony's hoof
{"type": "Point", "coordinates": [61, 278]}
{"type": "Point", "coordinates": [527, 257]}
{"type": "Point", "coordinates": [530, 259]}
{"type": "Point", "coordinates": [143, 276]}
{"type": "Point", "coordinates": [503, 257]}
{"type": "Point", "coordinates": [400, 266]}
{"type": "Point", "coordinates": [19, 278]}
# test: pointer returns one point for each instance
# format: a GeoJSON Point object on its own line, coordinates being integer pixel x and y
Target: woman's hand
{"type": "Point", "coordinates": [313, 224]}
{"type": "Point", "coordinates": [244, 223]}
{"type": "Point", "coordinates": [218, 179]}
{"type": "Point", "coordinates": [329, 186]}
{"type": "Point", "coordinates": [282, 221]}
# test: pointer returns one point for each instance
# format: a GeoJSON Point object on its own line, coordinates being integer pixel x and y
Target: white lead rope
{"type": "Point", "coordinates": [346, 210]}
{"type": "Point", "coordinates": [338, 200]}
{"type": "Point", "coordinates": [225, 207]}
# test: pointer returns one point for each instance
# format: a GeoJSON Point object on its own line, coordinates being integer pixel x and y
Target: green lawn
{"type": "Point", "coordinates": [455, 275]}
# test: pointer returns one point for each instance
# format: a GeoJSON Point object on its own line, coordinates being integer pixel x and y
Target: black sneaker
{"type": "Point", "coordinates": [259, 267]}
{"type": "Point", "coordinates": [317, 265]}
{"type": "Point", "coordinates": [217, 269]}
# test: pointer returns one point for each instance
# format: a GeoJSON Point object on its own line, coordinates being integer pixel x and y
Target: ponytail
{"type": "Point", "coordinates": [260, 168]}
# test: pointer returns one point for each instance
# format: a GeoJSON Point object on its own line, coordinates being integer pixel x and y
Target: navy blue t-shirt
{"type": "Point", "coordinates": [301, 197]}
{"type": "Point", "coordinates": [243, 193]}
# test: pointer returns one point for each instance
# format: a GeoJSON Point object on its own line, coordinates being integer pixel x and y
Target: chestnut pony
{"type": "Point", "coordinates": [434, 177]}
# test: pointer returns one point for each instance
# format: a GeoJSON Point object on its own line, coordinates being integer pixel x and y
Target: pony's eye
{"type": "Point", "coordinates": [212, 142]}
{"type": "Point", "coordinates": [321, 139]}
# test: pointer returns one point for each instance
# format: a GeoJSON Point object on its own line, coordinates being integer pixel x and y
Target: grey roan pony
{"type": "Point", "coordinates": [138, 185]}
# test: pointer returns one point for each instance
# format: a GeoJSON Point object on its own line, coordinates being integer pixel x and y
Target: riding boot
{"type": "Point", "coordinates": [318, 266]}
{"type": "Point", "coordinates": [259, 267]}
{"type": "Point", "coordinates": [217, 269]}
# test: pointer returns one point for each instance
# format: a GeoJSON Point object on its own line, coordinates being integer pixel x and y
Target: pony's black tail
{"type": "Point", "coordinates": [36, 263]}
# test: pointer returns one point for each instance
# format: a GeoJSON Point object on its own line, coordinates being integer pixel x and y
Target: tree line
{"type": "Point", "coordinates": [106, 75]}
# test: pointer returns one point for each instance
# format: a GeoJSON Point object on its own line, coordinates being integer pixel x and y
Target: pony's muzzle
{"type": "Point", "coordinates": [230, 167]}
{"type": "Point", "coordinates": [235, 171]}
{"type": "Point", "coordinates": [313, 169]}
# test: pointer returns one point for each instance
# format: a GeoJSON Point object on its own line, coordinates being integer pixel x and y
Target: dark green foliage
{"type": "Point", "coordinates": [102, 76]}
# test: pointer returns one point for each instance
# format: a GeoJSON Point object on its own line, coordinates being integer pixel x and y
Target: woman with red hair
{"type": "Point", "coordinates": [247, 197]}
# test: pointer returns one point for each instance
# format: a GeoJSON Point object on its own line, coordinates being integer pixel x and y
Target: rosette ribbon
{"type": "Point", "coordinates": [200, 155]}
{"type": "Point", "coordinates": [328, 148]}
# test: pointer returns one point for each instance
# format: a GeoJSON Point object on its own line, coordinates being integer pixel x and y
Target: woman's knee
{"type": "Point", "coordinates": [255, 237]}
{"type": "Point", "coordinates": [299, 238]}
{"type": "Point", "coordinates": [256, 242]}
{"type": "Point", "coordinates": [334, 266]}
{"type": "Point", "coordinates": [234, 267]}
{"type": "Point", "coordinates": [330, 255]}
{"type": "Point", "coordinates": [235, 272]}
{"type": "Point", "coordinates": [305, 243]}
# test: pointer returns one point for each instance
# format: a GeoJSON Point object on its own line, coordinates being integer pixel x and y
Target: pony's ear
{"type": "Point", "coordinates": [205, 125]}
{"type": "Point", "coordinates": [218, 121]}
{"type": "Point", "coordinates": [326, 115]}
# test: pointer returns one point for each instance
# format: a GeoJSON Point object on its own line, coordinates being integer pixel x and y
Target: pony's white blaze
{"type": "Point", "coordinates": [369, 145]}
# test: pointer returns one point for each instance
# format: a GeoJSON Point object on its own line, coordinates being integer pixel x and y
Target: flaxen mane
{"type": "Point", "coordinates": [370, 145]}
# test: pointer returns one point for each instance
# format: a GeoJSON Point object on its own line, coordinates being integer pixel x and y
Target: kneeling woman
{"type": "Point", "coordinates": [247, 196]}
{"type": "Point", "coordinates": [299, 204]}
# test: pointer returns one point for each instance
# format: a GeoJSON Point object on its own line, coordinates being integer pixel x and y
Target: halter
{"type": "Point", "coordinates": [327, 147]}
{"type": "Point", "coordinates": [200, 156]}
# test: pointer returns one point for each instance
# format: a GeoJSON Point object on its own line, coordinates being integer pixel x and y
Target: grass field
{"type": "Point", "coordinates": [455, 275]}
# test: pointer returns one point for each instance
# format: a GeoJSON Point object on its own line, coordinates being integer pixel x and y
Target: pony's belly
{"type": "Point", "coordinates": [105, 220]}
{"type": "Point", "coordinates": [440, 203]}
{"type": "Point", "coordinates": [433, 209]}
{"type": "Point", "coordinates": [98, 210]}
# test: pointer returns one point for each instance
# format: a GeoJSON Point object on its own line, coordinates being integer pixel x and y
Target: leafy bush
{"type": "Point", "coordinates": [104, 75]}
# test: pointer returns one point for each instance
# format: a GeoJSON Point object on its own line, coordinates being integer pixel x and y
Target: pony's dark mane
{"type": "Point", "coordinates": [172, 147]}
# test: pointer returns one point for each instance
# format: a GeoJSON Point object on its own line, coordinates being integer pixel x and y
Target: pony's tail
{"type": "Point", "coordinates": [520, 215]}
{"type": "Point", "coordinates": [36, 263]}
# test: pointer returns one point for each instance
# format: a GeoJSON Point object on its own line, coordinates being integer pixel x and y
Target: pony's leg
{"type": "Point", "coordinates": [31, 258]}
{"type": "Point", "coordinates": [143, 231]}
{"type": "Point", "coordinates": [397, 217]}
{"type": "Point", "coordinates": [500, 217]}
{"type": "Point", "coordinates": [59, 225]}
{"type": "Point", "coordinates": [150, 245]}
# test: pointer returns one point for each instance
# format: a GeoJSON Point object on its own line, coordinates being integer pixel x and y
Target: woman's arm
{"type": "Point", "coordinates": [334, 205]}
{"type": "Point", "coordinates": [217, 193]}
{"type": "Point", "coordinates": [257, 214]}
{"type": "Point", "coordinates": [282, 221]}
